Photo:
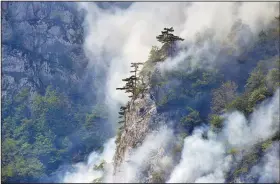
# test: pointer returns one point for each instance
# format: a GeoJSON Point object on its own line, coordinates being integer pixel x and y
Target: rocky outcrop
{"type": "Point", "coordinates": [41, 45]}
{"type": "Point", "coordinates": [138, 122]}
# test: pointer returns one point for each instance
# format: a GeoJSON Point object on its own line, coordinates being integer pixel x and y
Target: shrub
{"type": "Point", "coordinates": [192, 119]}
{"type": "Point", "coordinates": [257, 96]}
{"type": "Point", "coordinates": [216, 121]}
{"type": "Point", "coordinates": [266, 144]}
{"type": "Point", "coordinates": [100, 166]}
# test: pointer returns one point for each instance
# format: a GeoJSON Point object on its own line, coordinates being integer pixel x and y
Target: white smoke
{"type": "Point", "coordinates": [151, 151]}
{"type": "Point", "coordinates": [199, 158]}
{"type": "Point", "coordinates": [116, 37]}
{"type": "Point", "coordinates": [206, 160]}
{"type": "Point", "coordinates": [202, 160]}
{"type": "Point", "coordinates": [268, 168]}
{"type": "Point", "coordinates": [84, 172]}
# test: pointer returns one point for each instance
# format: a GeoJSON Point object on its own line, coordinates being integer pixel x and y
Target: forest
{"type": "Point", "coordinates": [44, 129]}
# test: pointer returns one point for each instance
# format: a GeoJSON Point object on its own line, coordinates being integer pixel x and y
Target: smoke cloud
{"type": "Point", "coordinates": [116, 37]}
{"type": "Point", "coordinates": [206, 160]}
{"type": "Point", "coordinates": [268, 169]}
{"type": "Point", "coordinates": [84, 172]}
{"type": "Point", "coordinates": [202, 160]}
{"type": "Point", "coordinates": [151, 152]}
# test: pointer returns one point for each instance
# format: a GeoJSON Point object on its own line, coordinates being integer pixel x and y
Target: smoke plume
{"type": "Point", "coordinates": [206, 160]}
{"type": "Point", "coordinates": [116, 37]}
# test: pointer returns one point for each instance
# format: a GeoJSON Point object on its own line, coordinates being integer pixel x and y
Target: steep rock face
{"type": "Point", "coordinates": [41, 45]}
{"type": "Point", "coordinates": [139, 121]}
{"type": "Point", "coordinates": [143, 121]}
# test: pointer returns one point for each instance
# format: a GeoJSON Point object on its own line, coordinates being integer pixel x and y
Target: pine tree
{"type": "Point", "coordinates": [130, 87]}
{"type": "Point", "coordinates": [131, 81]}
{"type": "Point", "coordinates": [167, 38]}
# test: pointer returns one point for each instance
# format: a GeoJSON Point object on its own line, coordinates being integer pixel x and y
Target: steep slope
{"type": "Point", "coordinates": [187, 97]}
{"type": "Point", "coordinates": [49, 111]}
{"type": "Point", "coordinates": [41, 46]}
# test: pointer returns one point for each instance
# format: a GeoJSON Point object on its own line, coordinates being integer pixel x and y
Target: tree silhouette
{"type": "Point", "coordinates": [167, 38]}
{"type": "Point", "coordinates": [130, 86]}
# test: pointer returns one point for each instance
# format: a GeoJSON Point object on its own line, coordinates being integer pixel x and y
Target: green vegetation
{"type": "Point", "coordinates": [266, 145]}
{"type": "Point", "coordinates": [192, 119]}
{"type": "Point", "coordinates": [39, 132]}
{"type": "Point", "coordinates": [241, 170]}
{"type": "Point", "coordinates": [119, 133]}
{"type": "Point", "coordinates": [97, 180]}
{"type": "Point", "coordinates": [233, 151]}
{"type": "Point", "coordinates": [216, 121]}
{"type": "Point", "coordinates": [158, 177]}
{"type": "Point", "coordinates": [155, 54]}
{"type": "Point", "coordinates": [100, 166]}
{"type": "Point", "coordinates": [257, 89]}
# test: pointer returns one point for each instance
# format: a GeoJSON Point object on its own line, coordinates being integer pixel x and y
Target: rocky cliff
{"type": "Point", "coordinates": [41, 45]}
{"type": "Point", "coordinates": [185, 96]}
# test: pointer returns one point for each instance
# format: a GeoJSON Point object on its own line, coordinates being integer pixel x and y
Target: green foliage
{"type": "Point", "coordinates": [22, 96]}
{"type": "Point", "coordinates": [36, 133]}
{"type": "Point", "coordinates": [192, 119]}
{"type": "Point", "coordinates": [100, 166]}
{"type": "Point", "coordinates": [266, 145]}
{"type": "Point", "coordinates": [246, 102]}
{"type": "Point", "coordinates": [256, 79]}
{"type": "Point", "coordinates": [257, 96]}
{"type": "Point", "coordinates": [274, 78]}
{"type": "Point", "coordinates": [257, 88]}
{"type": "Point", "coordinates": [241, 170]}
{"type": "Point", "coordinates": [216, 121]}
{"type": "Point", "coordinates": [119, 134]}
{"type": "Point", "coordinates": [157, 177]}
{"type": "Point", "coordinates": [232, 151]}
{"type": "Point", "coordinates": [183, 135]}
{"type": "Point", "coordinates": [207, 78]}
{"type": "Point", "coordinates": [139, 89]}
{"type": "Point", "coordinates": [240, 103]}
{"type": "Point", "coordinates": [22, 167]}
{"type": "Point", "coordinates": [250, 158]}
{"type": "Point", "coordinates": [155, 54]}
{"type": "Point", "coordinates": [97, 180]}
{"type": "Point", "coordinates": [223, 96]}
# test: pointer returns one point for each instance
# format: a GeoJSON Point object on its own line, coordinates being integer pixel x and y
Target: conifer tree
{"type": "Point", "coordinates": [167, 38]}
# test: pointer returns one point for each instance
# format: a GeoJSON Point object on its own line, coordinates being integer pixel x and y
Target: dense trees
{"type": "Point", "coordinates": [207, 91]}
{"type": "Point", "coordinates": [40, 131]}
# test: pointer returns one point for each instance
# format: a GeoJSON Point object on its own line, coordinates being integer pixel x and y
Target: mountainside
{"type": "Point", "coordinates": [36, 37]}
{"type": "Point", "coordinates": [49, 108]}
{"type": "Point", "coordinates": [203, 107]}
{"type": "Point", "coordinates": [197, 97]}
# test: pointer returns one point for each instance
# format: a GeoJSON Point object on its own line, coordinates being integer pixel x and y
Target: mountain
{"type": "Point", "coordinates": [48, 98]}
{"type": "Point", "coordinates": [203, 107]}
{"type": "Point", "coordinates": [197, 103]}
